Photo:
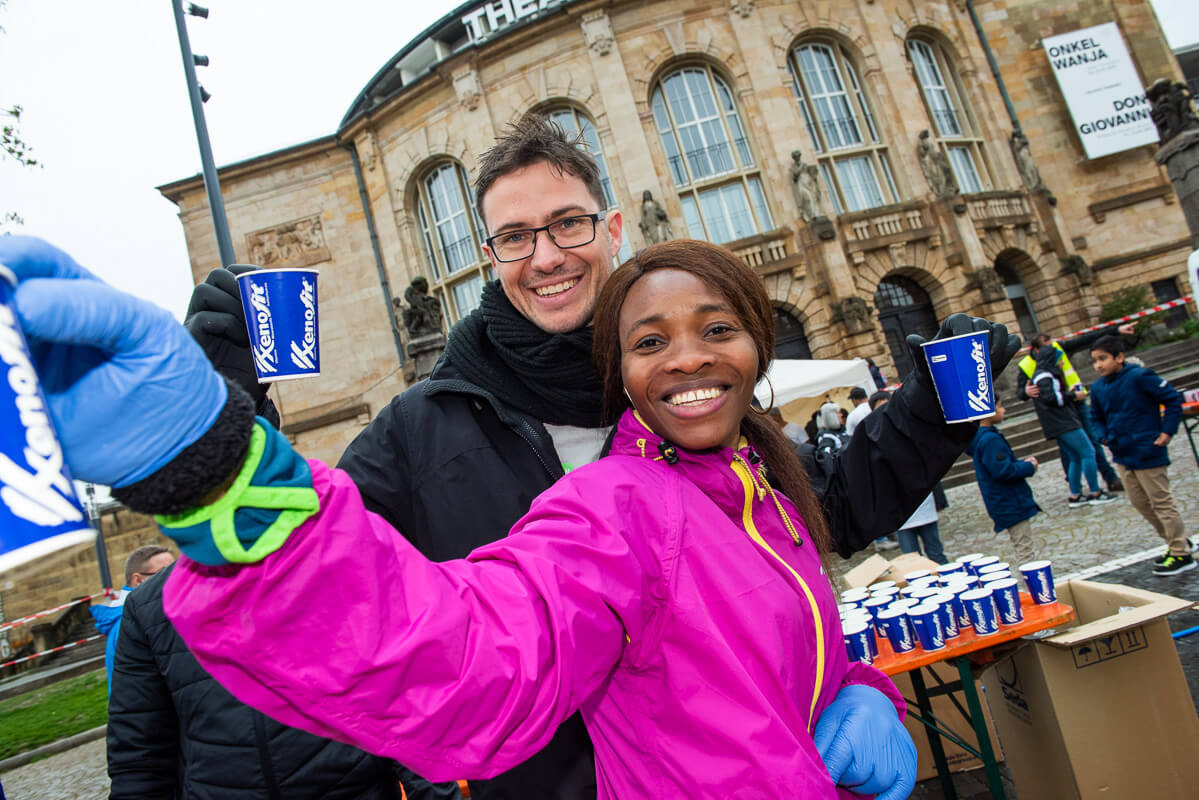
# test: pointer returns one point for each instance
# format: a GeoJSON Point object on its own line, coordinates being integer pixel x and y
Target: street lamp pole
{"type": "Point", "coordinates": [194, 92]}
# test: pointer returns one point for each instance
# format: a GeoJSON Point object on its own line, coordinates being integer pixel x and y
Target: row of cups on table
{"type": "Point", "coordinates": [977, 591]}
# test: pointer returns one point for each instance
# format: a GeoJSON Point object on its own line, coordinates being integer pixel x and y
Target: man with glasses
{"type": "Point", "coordinates": [142, 564]}
{"type": "Point", "coordinates": [515, 403]}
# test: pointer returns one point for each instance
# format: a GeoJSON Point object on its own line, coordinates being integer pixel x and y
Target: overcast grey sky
{"type": "Point", "coordinates": [106, 108]}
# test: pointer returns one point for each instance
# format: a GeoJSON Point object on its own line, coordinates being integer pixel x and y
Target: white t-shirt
{"type": "Point", "coordinates": [924, 514]}
{"type": "Point", "coordinates": [859, 413]}
{"type": "Point", "coordinates": [577, 446]}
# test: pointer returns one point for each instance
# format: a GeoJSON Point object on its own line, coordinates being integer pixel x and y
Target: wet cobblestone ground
{"type": "Point", "coordinates": [1075, 539]}
{"type": "Point", "coordinates": [77, 774]}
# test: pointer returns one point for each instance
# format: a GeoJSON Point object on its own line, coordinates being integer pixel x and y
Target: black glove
{"type": "Point", "coordinates": [215, 319]}
{"type": "Point", "coordinates": [1003, 344]}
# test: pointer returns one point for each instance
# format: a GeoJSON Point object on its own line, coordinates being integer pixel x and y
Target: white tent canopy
{"type": "Point", "coordinates": [801, 385]}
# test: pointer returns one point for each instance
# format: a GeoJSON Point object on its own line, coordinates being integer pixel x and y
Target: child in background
{"type": "Point", "coordinates": [1003, 481]}
{"type": "Point", "coordinates": [1126, 415]}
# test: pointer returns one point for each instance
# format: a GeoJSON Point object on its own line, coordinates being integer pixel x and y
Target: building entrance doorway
{"type": "Point", "coordinates": [1017, 295]}
{"type": "Point", "coordinates": [903, 308]}
{"type": "Point", "coordinates": [790, 341]}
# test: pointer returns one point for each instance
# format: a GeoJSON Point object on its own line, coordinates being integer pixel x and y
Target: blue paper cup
{"type": "Point", "coordinates": [899, 628]}
{"type": "Point", "coordinates": [879, 586]}
{"type": "Point", "coordinates": [977, 565]}
{"type": "Point", "coordinates": [961, 370]}
{"type": "Point", "coordinates": [947, 603]}
{"type": "Point", "coordinates": [951, 568]}
{"type": "Point", "coordinates": [926, 622]}
{"type": "Point", "coordinates": [859, 641]}
{"type": "Point", "coordinates": [998, 566]}
{"type": "Point", "coordinates": [886, 591]}
{"type": "Point", "coordinates": [39, 510]}
{"type": "Point", "coordinates": [916, 575]}
{"type": "Point", "coordinates": [967, 560]}
{"type": "Point", "coordinates": [1006, 594]}
{"type": "Point", "coordinates": [1038, 577]}
{"type": "Point", "coordinates": [282, 320]}
{"type": "Point", "coordinates": [983, 614]}
{"type": "Point", "coordinates": [875, 606]}
{"type": "Point", "coordinates": [959, 606]}
{"type": "Point", "coordinates": [855, 596]}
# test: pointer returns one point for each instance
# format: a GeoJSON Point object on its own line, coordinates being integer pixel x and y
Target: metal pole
{"type": "Point", "coordinates": [101, 551]}
{"type": "Point", "coordinates": [211, 185]}
{"type": "Point", "coordinates": [982, 38]}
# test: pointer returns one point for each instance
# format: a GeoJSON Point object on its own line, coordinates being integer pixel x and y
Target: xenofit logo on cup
{"type": "Point", "coordinates": [303, 355]}
{"type": "Point", "coordinates": [980, 401]}
{"type": "Point", "coordinates": [39, 490]}
{"type": "Point", "coordinates": [263, 345]}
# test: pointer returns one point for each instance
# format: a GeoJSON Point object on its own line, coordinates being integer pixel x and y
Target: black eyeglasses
{"type": "Point", "coordinates": [565, 233]}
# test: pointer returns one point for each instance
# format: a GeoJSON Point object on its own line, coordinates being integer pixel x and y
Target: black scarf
{"type": "Point", "coordinates": [548, 375]}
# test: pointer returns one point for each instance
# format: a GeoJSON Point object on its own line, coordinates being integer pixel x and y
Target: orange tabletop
{"type": "Point", "coordinates": [1036, 618]}
{"type": "Point", "coordinates": [1190, 409]}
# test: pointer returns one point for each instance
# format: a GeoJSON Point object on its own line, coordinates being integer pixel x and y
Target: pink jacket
{"type": "Point", "coordinates": [671, 603]}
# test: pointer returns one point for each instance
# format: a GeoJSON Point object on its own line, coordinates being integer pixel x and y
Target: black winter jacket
{"type": "Point", "coordinates": [1057, 410]}
{"type": "Point", "coordinates": [174, 733]}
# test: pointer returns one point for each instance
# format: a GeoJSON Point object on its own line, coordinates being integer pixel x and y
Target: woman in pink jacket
{"type": "Point", "coordinates": [668, 590]}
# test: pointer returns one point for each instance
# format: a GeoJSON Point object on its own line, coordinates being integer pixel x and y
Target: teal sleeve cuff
{"type": "Point", "coordinates": [271, 497]}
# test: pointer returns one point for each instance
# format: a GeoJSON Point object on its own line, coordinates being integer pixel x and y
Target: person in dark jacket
{"type": "Point", "coordinates": [174, 733]}
{"type": "Point", "coordinates": [1059, 418]}
{"type": "Point", "coordinates": [1061, 352]}
{"type": "Point", "coordinates": [1126, 414]}
{"type": "Point", "coordinates": [1003, 482]}
{"type": "Point", "coordinates": [457, 459]}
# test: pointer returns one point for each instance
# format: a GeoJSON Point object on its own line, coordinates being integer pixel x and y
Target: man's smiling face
{"type": "Point", "coordinates": [554, 288]}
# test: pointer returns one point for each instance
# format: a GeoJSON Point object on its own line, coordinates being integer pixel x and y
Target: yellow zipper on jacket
{"type": "Point", "coordinates": [751, 487]}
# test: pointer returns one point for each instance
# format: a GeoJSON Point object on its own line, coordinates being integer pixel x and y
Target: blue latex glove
{"type": "Point", "coordinates": [127, 387]}
{"type": "Point", "coordinates": [865, 747]}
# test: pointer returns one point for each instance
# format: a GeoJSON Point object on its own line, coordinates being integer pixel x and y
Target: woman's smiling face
{"type": "Point", "coordinates": [688, 362]}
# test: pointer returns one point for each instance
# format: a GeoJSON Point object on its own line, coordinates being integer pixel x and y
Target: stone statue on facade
{"type": "Point", "coordinates": [935, 166]}
{"type": "Point", "coordinates": [655, 224]}
{"type": "Point", "coordinates": [988, 283]}
{"type": "Point", "coordinates": [1028, 168]}
{"type": "Point", "coordinates": [1171, 108]}
{"type": "Point", "coordinates": [805, 183]}
{"type": "Point", "coordinates": [422, 317]}
{"type": "Point", "coordinates": [854, 313]}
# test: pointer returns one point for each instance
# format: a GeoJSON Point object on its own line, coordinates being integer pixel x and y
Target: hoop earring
{"type": "Point", "coordinates": [770, 407]}
{"type": "Point", "coordinates": [626, 394]}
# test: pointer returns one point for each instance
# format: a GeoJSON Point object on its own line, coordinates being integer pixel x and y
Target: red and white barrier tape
{"type": "Point", "coordinates": [58, 649]}
{"type": "Point", "coordinates": [10, 625]}
{"type": "Point", "coordinates": [1135, 315]}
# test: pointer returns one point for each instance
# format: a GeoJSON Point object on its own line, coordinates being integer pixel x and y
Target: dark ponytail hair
{"type": "Point", "coordinates": [743, 289]}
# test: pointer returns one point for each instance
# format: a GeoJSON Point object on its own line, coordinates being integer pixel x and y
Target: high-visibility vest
{"type": "Point", "coordinates": [1028, 365]}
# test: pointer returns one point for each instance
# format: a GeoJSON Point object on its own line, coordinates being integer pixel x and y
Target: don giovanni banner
{"type": "Point", "coordinates": [1102, 90]}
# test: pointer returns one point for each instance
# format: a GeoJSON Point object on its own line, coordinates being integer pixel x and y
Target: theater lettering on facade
{"type": "Point", "coordinates": [860, 155]}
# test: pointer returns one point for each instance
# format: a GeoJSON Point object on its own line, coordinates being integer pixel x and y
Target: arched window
{"type": "Point", "coordinates": [711, 164]}
{"type": "Point", "coordinates": [851, 152]}
{"type": "Point", "coordinates": [953, 124]}
{"type": "Point", "coordinates": [574, 122]}
{"type": "Point", "coordinates": [451, 232]}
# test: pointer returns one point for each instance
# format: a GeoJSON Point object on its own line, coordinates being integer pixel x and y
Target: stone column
{"type": "Point", "coordinates": [1180, 157]}
{"type": "Point", "coordinates": [423, 352]}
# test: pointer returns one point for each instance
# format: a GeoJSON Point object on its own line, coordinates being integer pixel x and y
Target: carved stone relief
{"type": "Point", "coordinates": [299, 243]}
{"type": "Point", "coordinates": [742, 7]}
{"type": "Point", "coordinates": [468, 88]}
{"type": "Point", "coordinates": [597, 32]}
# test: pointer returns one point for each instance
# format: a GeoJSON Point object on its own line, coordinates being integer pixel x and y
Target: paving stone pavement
{"type": "Point", "coordinates": [77, 774]}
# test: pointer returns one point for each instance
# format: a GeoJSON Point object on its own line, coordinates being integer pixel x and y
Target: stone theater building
{"type": "Point", "coordinates": [859, 154]}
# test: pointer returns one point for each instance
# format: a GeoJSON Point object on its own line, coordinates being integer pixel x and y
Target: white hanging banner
{"type": "Point", "coordinates": [1102, 89]}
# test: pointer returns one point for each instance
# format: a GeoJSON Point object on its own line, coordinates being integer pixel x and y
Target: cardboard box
{"type": "Point", "coordinates": [943, 709]}
{"type": "Point", "coordinates": [877, 568]}
{"type": "Point", "coordinates": [1101, 710]}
